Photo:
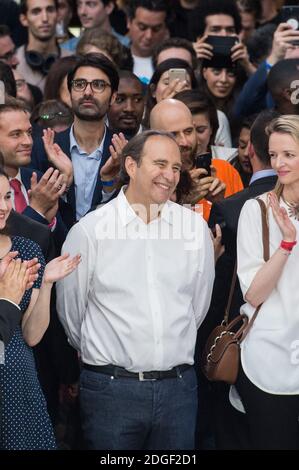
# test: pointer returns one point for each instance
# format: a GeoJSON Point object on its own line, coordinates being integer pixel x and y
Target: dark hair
{"type": "Point", "coordinates": [4, 30]}
{"type": "Point", "coordinates": [120, 54]}
{"type": "Point", "coordinates": [178, 43]}
{"type": "Point", "coordinates": [98, 61]}
{"type": "Point", "coordinates": [199, 103]}
{"type": "Point", "coordinates": [24, 6]}
{"type": "Point", "coordinates": [52, 113]}
{"type": "Point", "coordinates": [152, 5]}
{"type": "Point", "coordinates": [7, 77]}
{"type": "Point", "coordinates": [134, 149]}
{"type": "Point", "coordinates": [12, 104]}
{"type": "Point", "coordinates": [259, 44]}
{"type": "Point", "coordinates": [282, 74]}
{"type": "Point", "coordinates": [56, 75]}
{"type": "Point", "coordinates": [161, 68]}
{"type": "Point", "coordinates": [247, 122]}
{"type": "Point", "coordinates": [226, 104]}
{"type": "Point", "coordinates": [130, 75]}
{"type": "Point", "coordinates": [258, 136]}
{"type": "Point", "coordinates": [250, 6]}
{"type": "Point", "coordinates": [217, 7]}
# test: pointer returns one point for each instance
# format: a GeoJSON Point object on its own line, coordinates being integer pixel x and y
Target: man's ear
{"type": "Point", "coordinates": [23, 20]}
{"type": "Point", "coordinates": [251, 151]}
{"type": "Point", "coordinates": [130, 166]}
{"type": "Point", "coordinates": [109, 8]}
{"type": "Point", "coordinates": [113, 98]}
{"type": "Point", "coordinates": [287, 93]}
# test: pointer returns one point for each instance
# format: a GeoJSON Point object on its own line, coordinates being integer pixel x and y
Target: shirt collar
{"type": "Point", "coordinates": [17, 177]}
{"type": "Point", "coordinates": [74, 143]}
{"type": "Point", "coordinates": [127, 214]}
{"type": "Point", "coordinates": [261, 174]}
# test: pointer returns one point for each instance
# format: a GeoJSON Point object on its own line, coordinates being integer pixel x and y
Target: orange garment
{"type": "Point", "coordinates": [230, 176]}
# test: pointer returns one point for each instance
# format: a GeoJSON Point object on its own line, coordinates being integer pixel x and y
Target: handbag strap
{"type": "Point", "coordinates": [266, 250]}
{"type": "Point", "coordinates": [230, 297]}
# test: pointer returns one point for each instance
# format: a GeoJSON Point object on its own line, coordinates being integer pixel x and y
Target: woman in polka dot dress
{"type": "Point", "coordinates": [25, 423]}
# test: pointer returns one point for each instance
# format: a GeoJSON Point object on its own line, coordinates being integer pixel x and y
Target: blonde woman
{"type": "Point", "coordinates": [268, 382]}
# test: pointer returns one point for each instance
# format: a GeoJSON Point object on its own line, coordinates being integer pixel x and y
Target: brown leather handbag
{"type": "Point", "coordinates": [221, 355]}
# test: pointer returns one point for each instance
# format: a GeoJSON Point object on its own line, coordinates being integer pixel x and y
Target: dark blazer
{"type": "Point", "coordinates": [60, 232]}
{"type": "Point", "coordinates": [23, 226]}
{"type": "Point", "coordinates": [10, 317]}
{"type": "Point", "coordinates": [40, 162]}
{"type": "Point", "coordinates": [228, 211]}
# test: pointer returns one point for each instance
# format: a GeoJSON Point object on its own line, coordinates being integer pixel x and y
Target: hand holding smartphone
{"type": "Point", "coordinates": [204, 161]}
{"type": "Point", "coordinates": [177, 74]}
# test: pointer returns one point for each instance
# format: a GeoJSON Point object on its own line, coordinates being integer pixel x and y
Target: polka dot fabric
{"type": "Point", "coordinates": [25, 423]}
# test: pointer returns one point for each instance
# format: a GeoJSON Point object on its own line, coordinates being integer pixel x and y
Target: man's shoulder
{"type": "Point", "coordinates": [100, 213]}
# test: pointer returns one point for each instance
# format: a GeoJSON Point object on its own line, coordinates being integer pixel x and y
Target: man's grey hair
{"type": "Point", "coordinates": [134, 149]}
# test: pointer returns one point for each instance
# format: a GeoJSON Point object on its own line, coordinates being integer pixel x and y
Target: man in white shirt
{"type": "Point", "coordinates": [133, 307]}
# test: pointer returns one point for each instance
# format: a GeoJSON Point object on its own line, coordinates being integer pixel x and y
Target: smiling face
{"type": "Point", "coordinates": [284, 155]}
{"type": "Point", "coordinates": [5, 201]}
{"type": "Point", "coordinates": [16, 140]}
{"type": "Point", "coordinates": [155, 179]}
{"type": "Point", "coordinates": [90, 105]}
{"type": "Point", "coordinates": [220, 82]}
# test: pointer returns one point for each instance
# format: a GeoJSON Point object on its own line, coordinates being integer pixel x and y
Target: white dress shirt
{"type": "Point", "coordinates": [270, 351]}
{"type": "Point", "coordinates": [141, 290]}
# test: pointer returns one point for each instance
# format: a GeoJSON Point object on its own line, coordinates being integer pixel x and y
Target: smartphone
{"type": "Point", "coordinates": [204, 161]}
{"type": "Point", "coordinates": [290, 14]}
{"type": "Point", "coordinates": [175, 74]}
{"type": "Point", "coordinates": [222, 46]}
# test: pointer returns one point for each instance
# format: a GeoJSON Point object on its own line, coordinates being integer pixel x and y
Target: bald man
{"type": "Point", "coordinates": [174, 116]}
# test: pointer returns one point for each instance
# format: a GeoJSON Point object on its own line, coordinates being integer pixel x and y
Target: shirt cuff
{"type": "Point", "coordinates": [107, 195]}
{"type": "Point", "coordinates": [10, 301]}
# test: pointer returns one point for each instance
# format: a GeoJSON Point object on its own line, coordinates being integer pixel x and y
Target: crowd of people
{"type": "Point", "coordinates": [132, 150]}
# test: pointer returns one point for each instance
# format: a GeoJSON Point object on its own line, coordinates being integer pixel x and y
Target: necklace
{"type": "Point", "coordinates": [293, 208]}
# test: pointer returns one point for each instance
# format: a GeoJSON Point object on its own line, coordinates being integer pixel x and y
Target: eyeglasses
{"type": "Point", "coordinates": [9, 55]}
{"type": "Point", "coordinates": [49, 117]}
{"type": "Point", "coordinates": [97, 85]}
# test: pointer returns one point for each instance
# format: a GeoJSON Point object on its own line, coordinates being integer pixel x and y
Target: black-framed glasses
{"type": "Point", "coordinates": [97, 85]}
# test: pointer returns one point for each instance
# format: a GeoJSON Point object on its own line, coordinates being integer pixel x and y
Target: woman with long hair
{"type": "Point", "coordinates": [268, 382]}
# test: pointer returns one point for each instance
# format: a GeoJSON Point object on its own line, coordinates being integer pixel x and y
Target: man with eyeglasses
{"type": "Point", "coordinates": [92, 84]}
{"type": "Point", "coordinates": [7, 47]}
